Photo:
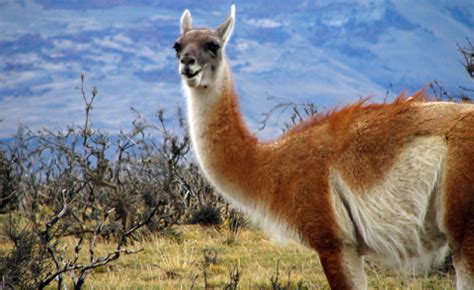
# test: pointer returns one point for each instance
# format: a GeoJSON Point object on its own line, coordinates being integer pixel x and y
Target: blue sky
{"type": "Point", "coordinates": [327, 52]}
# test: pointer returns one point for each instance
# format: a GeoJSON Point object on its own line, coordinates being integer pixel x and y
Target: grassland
{"type": "Point", "coordinates": [203, 256]}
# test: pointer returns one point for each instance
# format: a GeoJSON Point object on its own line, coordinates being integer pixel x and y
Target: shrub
{"type": "Point", "coordinates": [207, 216]}
{"type": "Point", "coordinates": [236, 221]}
{"type": "Point", "coordinates": [8, 183]}
{"type": "Point", "coordinates": [81, 182]}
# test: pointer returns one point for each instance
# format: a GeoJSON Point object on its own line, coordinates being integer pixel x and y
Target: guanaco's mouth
{"type": "Point", "coordinates": [190, 75]}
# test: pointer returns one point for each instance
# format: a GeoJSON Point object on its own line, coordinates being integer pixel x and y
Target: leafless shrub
{"type": "Point", "coordinates": [235, 274]}
{"type": "Point", "coordinates": [275, 279]}
{"type": "Point", "coordinates": [8, 183]}
{"type": "Point", "coordinates": [290, 111]}
{"type": "Point", "coordinates": [440, 93]}
{"type": "Point", "coordinates": [85, 185]}
{"type": "Point", "coordinates": [236, 221]}
{"type": "Point", "coordinates": [468, 53]}
{"type": "Point", "coordinates": [210, 258]}
{"type": "Point", "coordinates": [207, 216]}
{"type": "Point", "coordinates": [277, 284]}
{"type": "Point", "coordinates": [439, 90]}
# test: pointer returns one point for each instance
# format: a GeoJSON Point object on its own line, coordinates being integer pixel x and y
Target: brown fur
{"type": "Point", "coordinates": [362, 142]}
{"type": "Point", "coordinates": [338, 119]}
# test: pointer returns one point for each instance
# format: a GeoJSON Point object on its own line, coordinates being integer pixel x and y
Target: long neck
{"type": "Point", "coordinates": [224, 147]}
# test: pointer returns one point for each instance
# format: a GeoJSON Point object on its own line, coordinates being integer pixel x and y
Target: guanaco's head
{"type": "Point", "coordinates": [201, 51]}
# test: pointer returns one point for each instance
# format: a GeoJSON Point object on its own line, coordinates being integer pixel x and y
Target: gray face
{"type": "Point", "coordinates": [199, 53]}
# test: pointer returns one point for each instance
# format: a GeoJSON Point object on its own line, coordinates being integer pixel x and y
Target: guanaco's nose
{"type": "Point", "coordinates": [188, 60]}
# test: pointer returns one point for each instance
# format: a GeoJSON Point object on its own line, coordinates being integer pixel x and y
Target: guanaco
{"type": "Point", "coordinates": [394, 181]}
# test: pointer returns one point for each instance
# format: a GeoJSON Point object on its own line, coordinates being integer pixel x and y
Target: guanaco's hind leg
{"type": "Point", "coordinates": [344, 268]}
{"type": "Point", "coordinates": [463, 257]}
{"type": "Point", "coordinates": [459, 206]}
{"type": "Point", "coordinates": [355, 267]}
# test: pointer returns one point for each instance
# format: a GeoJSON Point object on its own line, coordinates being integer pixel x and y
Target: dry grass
{"type": "Point", "coordinates": [169, 264]}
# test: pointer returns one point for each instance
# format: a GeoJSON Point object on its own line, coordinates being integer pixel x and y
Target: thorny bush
{"type": "Point", "coordinates": [84, 184]}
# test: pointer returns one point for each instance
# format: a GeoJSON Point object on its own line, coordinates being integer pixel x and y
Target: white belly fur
{"type": "Point", "coordinates": [399, 220]}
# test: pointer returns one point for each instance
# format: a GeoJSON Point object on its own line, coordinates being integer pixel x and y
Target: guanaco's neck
{"type": "Point", "coordinates": [224, 147]}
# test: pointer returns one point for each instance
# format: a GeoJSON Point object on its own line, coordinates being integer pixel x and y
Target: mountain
{"type": "Point", "coordinates": [327, 52]}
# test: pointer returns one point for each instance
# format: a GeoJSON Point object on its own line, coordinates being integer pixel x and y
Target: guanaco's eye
{"type": "Point", "coordinates": [178, 48]}
{"type": "Point", "coordinates": [212, 47]}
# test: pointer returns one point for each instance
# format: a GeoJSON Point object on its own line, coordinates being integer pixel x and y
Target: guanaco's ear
{"type": "Point", "coordinates": [226, 28]}
{"type": "Point", "coordinates": [186, 22]}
